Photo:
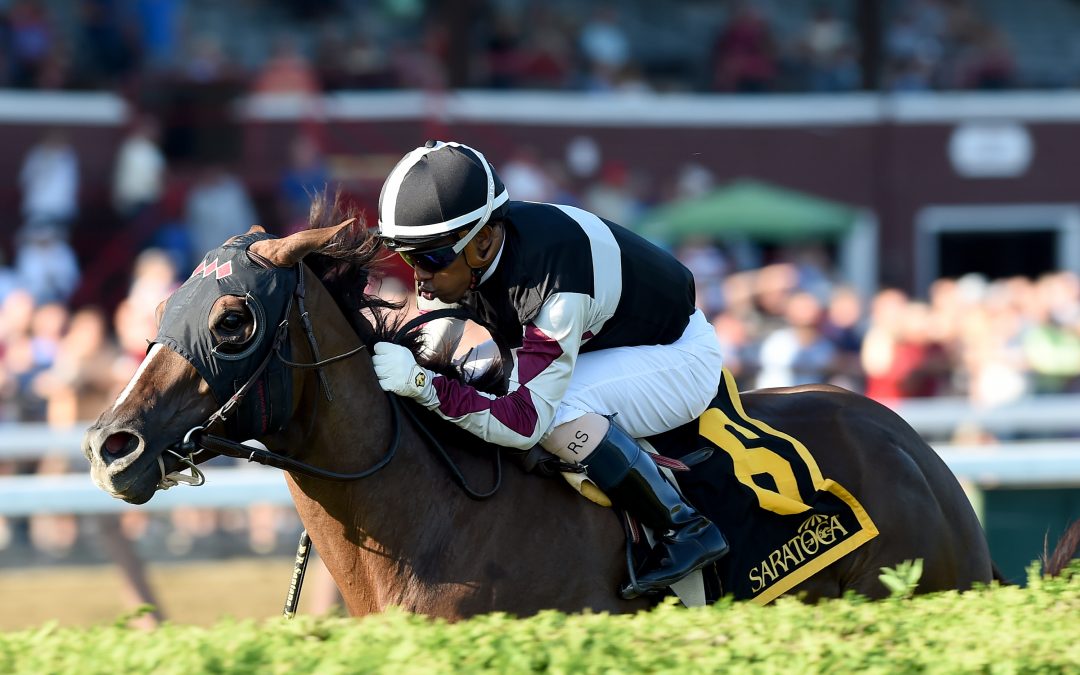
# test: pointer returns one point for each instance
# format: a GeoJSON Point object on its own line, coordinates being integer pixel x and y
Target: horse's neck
{"type": "Point", "coordinates": [351, 434]}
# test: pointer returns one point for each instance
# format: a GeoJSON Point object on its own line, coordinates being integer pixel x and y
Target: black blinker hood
{"type": "Point", "coordinates": [228, 270]}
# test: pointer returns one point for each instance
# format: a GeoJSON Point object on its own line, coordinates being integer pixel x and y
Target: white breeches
{"type": "Point", "coordinates": [652, 388]}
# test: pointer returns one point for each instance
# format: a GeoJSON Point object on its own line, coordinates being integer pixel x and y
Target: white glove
{"type": "Point", "coordinates": [399, 373]}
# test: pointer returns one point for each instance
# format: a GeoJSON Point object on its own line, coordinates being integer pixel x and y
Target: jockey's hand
{"type": "Point", "coordinates": [399, 373]}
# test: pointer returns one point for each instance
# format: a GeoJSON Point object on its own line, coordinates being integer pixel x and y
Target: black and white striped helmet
{"type": "Point", "coordinates": [435, 192]}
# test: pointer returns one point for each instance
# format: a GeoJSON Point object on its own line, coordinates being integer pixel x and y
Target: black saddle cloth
{"type": "Point", "coordinates": [785, 521]}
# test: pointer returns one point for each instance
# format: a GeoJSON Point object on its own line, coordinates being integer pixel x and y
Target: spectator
{"type": "Point", "coordinates": [77, 387]}
{"type": "Point", "coordinates": [744, 55]}
{"type": "Point", "coordinates": [1051, 341]}
{"type": "Point", "coordinates": [16, 313]}
{"type": "Point", "coordinates": [217, 207]}
{"type": "Point", "coordinates": [827, 53]}
{"type": "Point", "coordinates": [843, 327]}
{"type": "Point", "coordinates": [605, 48]}
{"type": "Point", "coordinates": [613, 196]}
{"type": "Point", "coordinates": [139, 174]}
{"type": "Point", "coordinates": [206, 61]}
{"type": "Point", "coordinates": [49, 178]}
{"type": "Point", "coordinates": [992, 359]}
{"type": "Point", "coordinates": [9, 283]}
{"type": "Point", "coordinates": [736, 345]}
{"type": "Point", "coordinates": [32, 42]}
{"type": "Point", "coordinates": [45, 264]}
{"type": "Point", "coordinates": [33, 353]}
{"type": "Point", "coordinates": [423, 65]}
{"type": "Point", "coordinates": [287, 71]}
{"type": "Point", "coordinates": [353, 62]}
{"type": "Point", "coordinates": [306, 175]}
{"type": "Point", "coordinates": [504, 57]}
{"type": "Point", "coordinates": [693, 180]}
{"type": "Point", "coordinates": [525, 177]}
{"type": "Point", "coordinates": [797, 353]}
{"type": "Point", "coordinates": [159, 31]}
{"type": "Point", "coordinates": [709, 267]}
{"type": "Point", "coordinates": [914, 53]}
{"type": "Point", "coordinates": [906, 360]}
{"type": "Point", "coordinates": [548, 51]}
{"type": "Point", "coordinates": [107, 49]}
{"type": "Point", "coordinates": [988, 64]}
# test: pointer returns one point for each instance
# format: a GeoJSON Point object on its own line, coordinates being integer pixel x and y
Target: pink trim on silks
{"type": "Point", "coordinates": [515, 411]}
{"type": "Point", "coordinates": [587, 336]}
{"type": "Point", "coordinates": [635, 533]}
{"type": "Point", "coordinates": [669, 462]}
{"type": "Point", "coordinates": [537, 352]}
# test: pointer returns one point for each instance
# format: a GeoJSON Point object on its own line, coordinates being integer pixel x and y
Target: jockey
{"type": "Point", "coordinates": [599, 320]}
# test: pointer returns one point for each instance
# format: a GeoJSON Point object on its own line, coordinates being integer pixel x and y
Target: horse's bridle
{"type": "Point", "coordinates": [197, 439]}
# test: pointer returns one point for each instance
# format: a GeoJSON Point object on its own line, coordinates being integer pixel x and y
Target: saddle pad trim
{"type": "Point", "coordinates": [822, 561]}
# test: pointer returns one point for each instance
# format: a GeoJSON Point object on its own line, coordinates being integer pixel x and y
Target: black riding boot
{"type": "Point", "coordinates": [626, 473]}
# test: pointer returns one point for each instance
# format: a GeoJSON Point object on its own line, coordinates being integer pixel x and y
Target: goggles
{"type": "Point", "coordinates": [431, 261]}
{"type": "Point", "coordinates": [439, 258]}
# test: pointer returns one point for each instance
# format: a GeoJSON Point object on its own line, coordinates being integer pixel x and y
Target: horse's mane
{"type": "Point", "coordinates": [344, 266]}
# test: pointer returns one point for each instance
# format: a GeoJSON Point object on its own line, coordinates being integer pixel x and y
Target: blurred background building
{"type": "Point", "coordinates": [881, 194]}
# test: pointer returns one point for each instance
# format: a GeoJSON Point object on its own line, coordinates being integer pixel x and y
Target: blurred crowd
{"type": "Point", "coordinates": [313, 45]}
{"type": "Point", "coordinates": [781, 312]}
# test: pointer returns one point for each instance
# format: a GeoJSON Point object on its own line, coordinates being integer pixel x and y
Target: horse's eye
{"type": "Point", "coordinates": [232, 321]}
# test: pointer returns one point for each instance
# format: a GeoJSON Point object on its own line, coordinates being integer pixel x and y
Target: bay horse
{"type": "Point", "coordinates": [406, 534]}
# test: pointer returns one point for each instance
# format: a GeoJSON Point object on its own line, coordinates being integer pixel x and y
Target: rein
{"type": "Point", "coordinates": [197, 439]}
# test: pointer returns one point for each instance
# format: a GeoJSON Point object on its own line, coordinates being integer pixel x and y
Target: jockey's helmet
{"type": "Point", "coordinates": [433, 195]}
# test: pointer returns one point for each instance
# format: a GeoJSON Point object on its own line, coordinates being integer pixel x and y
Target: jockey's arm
{"type": "Point", "coordinates": [542, 367]}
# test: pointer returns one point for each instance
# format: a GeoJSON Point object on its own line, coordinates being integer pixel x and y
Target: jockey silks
{"type": "Point", "coordinates": [647, 295]}
{"type": "Point", "coordinates": [228, 270]}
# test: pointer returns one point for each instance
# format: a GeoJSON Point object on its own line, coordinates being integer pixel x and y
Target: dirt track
{"type": "Point", "coordinates": [189, 593]}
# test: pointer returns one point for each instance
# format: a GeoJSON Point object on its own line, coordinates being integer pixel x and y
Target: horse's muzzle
{"type": "Point", "coordinates": [119, 463]}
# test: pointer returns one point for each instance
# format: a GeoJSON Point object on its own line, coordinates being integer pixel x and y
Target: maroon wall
{"type": "Point", "coordinates": [893, 168]}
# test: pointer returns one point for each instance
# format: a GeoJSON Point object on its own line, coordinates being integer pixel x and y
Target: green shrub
{"type": "Point", "coordinates": [988, 630]}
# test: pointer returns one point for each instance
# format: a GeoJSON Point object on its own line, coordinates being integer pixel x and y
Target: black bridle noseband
{"type": "Point", "coordinates": [198, 439]}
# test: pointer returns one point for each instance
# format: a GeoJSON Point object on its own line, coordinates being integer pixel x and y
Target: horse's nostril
{"type": "Point", "coordinates": [118, 443]}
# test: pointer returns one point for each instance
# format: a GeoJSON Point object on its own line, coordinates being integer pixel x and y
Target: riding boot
{"type": "Point", "coordinates": [622, 469]}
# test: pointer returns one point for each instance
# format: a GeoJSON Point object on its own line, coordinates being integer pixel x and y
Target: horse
{"type": "Point", "coordinates": [378, 485]}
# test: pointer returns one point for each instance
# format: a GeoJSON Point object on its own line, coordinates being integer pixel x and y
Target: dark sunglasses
{"type": "Point", "coordinates": [431, 261]}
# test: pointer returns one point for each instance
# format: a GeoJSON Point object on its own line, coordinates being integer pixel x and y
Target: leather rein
{"type": "Point", "coordinates": [197, 439]}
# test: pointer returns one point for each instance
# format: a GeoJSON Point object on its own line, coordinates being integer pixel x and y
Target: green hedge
{"type": "Point", "coordinates": [991, 630]}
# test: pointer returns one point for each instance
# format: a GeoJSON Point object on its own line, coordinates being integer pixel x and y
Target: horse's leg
{"type": "Point", "coordinates": [137, 590]}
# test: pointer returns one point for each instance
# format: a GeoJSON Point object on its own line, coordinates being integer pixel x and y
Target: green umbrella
{"type": "Point", "coordinates": [748, 209]}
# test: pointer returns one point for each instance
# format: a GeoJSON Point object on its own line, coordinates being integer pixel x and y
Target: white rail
{"type": "Point", "coordinates": [1044, 464]}
{"type": "Point", "coordinates": [1044, 415]}
{"type": "Point", "coordinates": [76, 493]}
{"type": "Point", "coordinates": [934, 417]}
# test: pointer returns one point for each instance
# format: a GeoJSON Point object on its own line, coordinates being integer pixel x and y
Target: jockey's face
{"type": "Point", "coordinates": [448, 284]}
{"type": "Point", "coordinates": [451, 283]}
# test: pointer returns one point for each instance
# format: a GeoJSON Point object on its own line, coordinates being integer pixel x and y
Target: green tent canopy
{"type": "Point", "coordinates": [747, 209]}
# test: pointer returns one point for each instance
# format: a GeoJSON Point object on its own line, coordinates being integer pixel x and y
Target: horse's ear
{"type": "Point", "coordinates": [290, 250]}
{"type": "Point", "coordinates": [256, 228]}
